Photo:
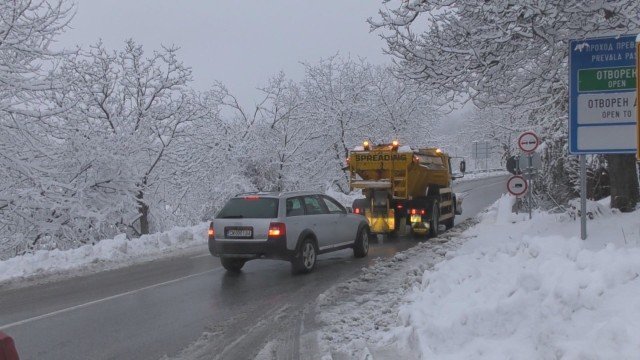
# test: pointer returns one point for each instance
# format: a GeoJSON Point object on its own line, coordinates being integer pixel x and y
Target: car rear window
{"type": "Point", "coordinates": [249, 208]}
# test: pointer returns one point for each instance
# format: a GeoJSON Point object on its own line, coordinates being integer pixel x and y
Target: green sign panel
{"type": "Point", "coordinates": [620, 78]}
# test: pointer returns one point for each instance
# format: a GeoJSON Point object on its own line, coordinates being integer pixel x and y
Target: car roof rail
{"type": "Point", "coordinates": [256, 193]}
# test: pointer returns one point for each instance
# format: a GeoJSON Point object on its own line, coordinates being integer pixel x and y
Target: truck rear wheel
{"type": "Point", "coordinates": [450, 222]}
{"type": "Point", "coordinates": [435, 219]}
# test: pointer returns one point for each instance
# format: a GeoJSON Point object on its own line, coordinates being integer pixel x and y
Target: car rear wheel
{"type": "Point", "coordinates": [361, 246]}
{"type": "Point", "coordinates": [305, 259]}
{"type": "Point", "coordinates": [231, 264]}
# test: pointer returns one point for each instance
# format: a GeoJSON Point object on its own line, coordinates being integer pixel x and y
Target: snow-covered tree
{"type": "Point", "coordinates": [509, 54]}
{"type": "Point", "coordinates": [355, 101]}
{"type": "Point", "coordinates": [337, 90]}
{"type": "Point", "coordinates": [398, 109]}
{"type": "Point", "coordinates": [134, 109]}
{"type": "Point", "coordinates": [27, 28]}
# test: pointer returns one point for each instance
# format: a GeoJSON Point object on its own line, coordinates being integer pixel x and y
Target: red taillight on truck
{"type": "Point", "coordinates": [212, 231]}
{"type": "Point", "coordinates": [277, 229]}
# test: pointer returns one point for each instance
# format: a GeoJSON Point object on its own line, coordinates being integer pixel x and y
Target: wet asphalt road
{"type": "Point", "coordinates": [158, 308]}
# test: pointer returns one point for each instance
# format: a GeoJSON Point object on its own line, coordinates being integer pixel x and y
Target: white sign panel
{"type": "Point", "coordinates": [606, 108]}
{"type": "Point", "coordinates": [592, 137]}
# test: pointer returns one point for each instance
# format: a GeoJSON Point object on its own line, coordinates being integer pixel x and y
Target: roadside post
{"type": "Point", "coordinates": [637, 93]}
{"type": "Point", "coordinates": [602, 98]}
{"type": "Point", "coordinates": [528, 142]}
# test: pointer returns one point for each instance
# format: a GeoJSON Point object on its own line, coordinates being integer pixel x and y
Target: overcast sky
{"type": "Point", "coordinates": [240, 43]}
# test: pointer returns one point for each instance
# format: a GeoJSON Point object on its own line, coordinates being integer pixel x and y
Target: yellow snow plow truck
{"type": "Point", "coordinates": [403, 187]}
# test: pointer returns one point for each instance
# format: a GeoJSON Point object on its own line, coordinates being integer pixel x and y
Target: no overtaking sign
{"type": "Point", "coordinates": [528, 142]}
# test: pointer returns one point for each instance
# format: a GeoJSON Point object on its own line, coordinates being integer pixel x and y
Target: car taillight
{"type": "Point", "coordinates": [356, 210]}
{"type": "Point", "coordinates": [422, 212]}
{"type": "Point", "coordinates": [212, 231]}
{"type": "Point", "coordinates": [412, 211]}
{"type": "Point", "coordinates": [277, 230]}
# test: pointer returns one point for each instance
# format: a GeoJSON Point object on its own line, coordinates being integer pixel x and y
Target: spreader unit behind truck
{"type": "Point", "coordinates": [403, 186]}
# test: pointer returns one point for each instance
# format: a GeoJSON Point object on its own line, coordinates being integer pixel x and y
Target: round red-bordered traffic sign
{"type": "Point", "coordinates": [528, 141]}
{"type": "Point", "coordinates": [517, 185]}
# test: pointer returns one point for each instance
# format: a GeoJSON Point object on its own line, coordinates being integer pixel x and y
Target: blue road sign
{"type": "Point", "coordinates": [602, 95]}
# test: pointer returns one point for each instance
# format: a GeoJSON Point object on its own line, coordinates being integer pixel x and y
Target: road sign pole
{"type": "Point", "coordinates": [583, 197]}
{"type": "Point", "coordinates": [530, 175]}
{"type": "Point", "coordinates": [637, 94]}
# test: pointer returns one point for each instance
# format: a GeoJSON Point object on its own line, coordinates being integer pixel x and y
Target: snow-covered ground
{"type": "Point", "coordinates": [106, 254]}
{"type": "Point", "coordinates": [506, 288]}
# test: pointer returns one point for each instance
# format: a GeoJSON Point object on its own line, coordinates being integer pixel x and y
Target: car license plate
{"type": "Point", "coordinates": [239, 233]}
{"type": "Point", "coordinates": [416, 219]}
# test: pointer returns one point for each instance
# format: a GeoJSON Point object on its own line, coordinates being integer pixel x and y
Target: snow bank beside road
{"type": "Point", "coordinates": [508, 287]}
{"type": "Point", "coordinates": [530, 290]}
{"type": "Point", "coordinates": [355, 317]}
{"type": "Point", "coordinates": [118, 251]}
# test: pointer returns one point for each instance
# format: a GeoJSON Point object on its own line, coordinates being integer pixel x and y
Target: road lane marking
{"type": "Point", "coordinates": [57, 312]}
{"type": "Point", "coordinates": [199, 256]}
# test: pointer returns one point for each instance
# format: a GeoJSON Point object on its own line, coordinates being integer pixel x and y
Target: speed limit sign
{"type": "Point", "coordinates": [517, 185]}
{"type": "Point", "coordinates": [528, 141]}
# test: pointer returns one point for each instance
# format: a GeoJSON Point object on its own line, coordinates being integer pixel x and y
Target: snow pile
{"type": "Point", "coordinates": [530, 289]}
{"type": "Point", "coordinates": [118, 250]}
{"type": "Point", "coordinates": [355, 317]}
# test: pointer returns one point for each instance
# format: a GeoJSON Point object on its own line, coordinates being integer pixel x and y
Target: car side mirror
{"type": "Point", "coordinates": [463, 166]}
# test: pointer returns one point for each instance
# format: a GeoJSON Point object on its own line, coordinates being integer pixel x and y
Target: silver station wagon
{"type": "Point", "coordinates": [291, 226]}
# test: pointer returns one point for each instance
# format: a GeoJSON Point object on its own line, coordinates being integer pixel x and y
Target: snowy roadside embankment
{"type": "Point", "coordinates": [531, 290]}
{"type": "Point", "coordinates": [508, 287]}
{"type": "Point", "coordinates": [354, 317]}
{"type": "Point", "coordinates": [108, 253]}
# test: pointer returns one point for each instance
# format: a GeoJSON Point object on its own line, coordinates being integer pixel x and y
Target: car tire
{"type": "Point", "coordinates": [232, 264]}
{"type": "Point", "coordinates": [435, 219]}
{"type": "Point", "coordinates": [361, 245]}
{"type": "Point", "coordinates": [305, 258]}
